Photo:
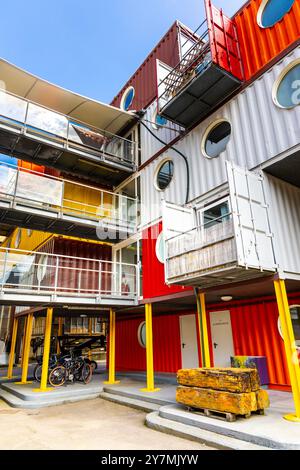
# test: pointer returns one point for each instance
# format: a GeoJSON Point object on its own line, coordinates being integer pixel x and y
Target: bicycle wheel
{"type": "Point", "coordinates": [86, 373]}
{"type": "Point", "coordinates": [92, 363]}
{"type": "Point", "coordinates": [57, 376]}
{"type": "Point", "coordinates": [37, 373]}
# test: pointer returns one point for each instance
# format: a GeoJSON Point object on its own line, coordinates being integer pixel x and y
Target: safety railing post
{"type": "Point", "coordinates": [100, 279]}
{"type": "Point", "coordinates": [56, 274]}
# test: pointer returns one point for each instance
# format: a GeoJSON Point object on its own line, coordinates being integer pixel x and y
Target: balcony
{"type": "Point", "coordinates": [30, 278]}
{"type": "Point", "coordinates": [40, 202]}
{"type": "Point", "coordinates": [208, 73]}
{"type": "Point", "coordinates": [40, 135]}
{"type": "Point", "coordinates": [232, 241]}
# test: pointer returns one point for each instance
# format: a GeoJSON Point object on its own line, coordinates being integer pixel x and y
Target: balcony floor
{"type": "Point", "coordinates": [86, 163]}
{"type": "Point", "coordinates": [200, 96]}
{"type": "Point", "coordinates": [45, 219]}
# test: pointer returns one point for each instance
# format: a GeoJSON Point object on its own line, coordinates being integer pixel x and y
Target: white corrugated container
{"type": "Point", "coordinates": [284, 202]}
{"type": "Point", "coordinates": [260, 132]}
{"type": "Point", "coordinates": [149, 145]}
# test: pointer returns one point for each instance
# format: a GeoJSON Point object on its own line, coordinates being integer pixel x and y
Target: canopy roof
{"type": "Point", "coordinates": [89, 111]}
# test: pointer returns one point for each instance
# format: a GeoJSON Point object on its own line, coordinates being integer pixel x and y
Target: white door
{"type": "Point", "coordinates": [189, 346]}
{"type": "Point", "coordinates": [221, 333]}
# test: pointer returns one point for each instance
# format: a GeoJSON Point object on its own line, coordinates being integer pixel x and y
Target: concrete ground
{"type": "Point", "coordinates": [88, 425]}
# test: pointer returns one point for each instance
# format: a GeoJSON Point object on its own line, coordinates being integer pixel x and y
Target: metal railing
{"type": "Point", "coordinates": [192, 63]}
{"type": "Point", "coordinates": [39, 273]}
{"type": "Point", "coordinates": [34, 189]}
{"type": "Point", "coordinates": [60, 130]}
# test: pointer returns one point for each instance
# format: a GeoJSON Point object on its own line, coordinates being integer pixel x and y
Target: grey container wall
{"type": "Point", "coordinates": [260, 132]}
{"type": "Point", "coordinates": [284, 202]}
{"type": "Point", "coordinates": [150, 146]}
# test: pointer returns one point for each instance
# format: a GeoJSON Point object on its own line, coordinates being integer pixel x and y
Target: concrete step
{"type": "Point", "coordinates": [16, 402]}
{"type": "Point", "coordinates": [26, 393]}
{"type": "Point", "coordinates": [253, 435]}
{"type": "Point", "coordinates": [136, 395]}
{"type": "Point", "coordinates": [211, 439]}
{"type": "Point", "coordinates": [130, 402]}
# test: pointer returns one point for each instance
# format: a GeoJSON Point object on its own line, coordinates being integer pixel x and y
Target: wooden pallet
{"type": "Point", "coordinates": [222, 415]}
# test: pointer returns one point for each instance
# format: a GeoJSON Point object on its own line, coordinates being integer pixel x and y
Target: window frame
{"type": "Point", "coordinates": [280, 327]}
{"type": "Point", "coordinates": [156, 126]}
{"type": "Point", "coordinates": [157, 170]}
{"type": "Point", "coordinates": [139, 336]}
{"type": "Point", "coordinates": [202, 210]}
{"type": "Point", "coordinates": [208, 130]}
{"type": "Point", "coordinates": [261, 10]}
{"type": "Point", "coordinates": [158, 241]}
{"type": "Point", "coordinates": [124, 96]}
{"type": "Point", "coordinates": [278, 82]}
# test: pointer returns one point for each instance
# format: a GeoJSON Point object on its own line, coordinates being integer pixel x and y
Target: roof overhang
{"type": "Point", "coordinates": [94, 113]}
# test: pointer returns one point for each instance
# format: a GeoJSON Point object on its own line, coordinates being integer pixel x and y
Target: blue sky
{"type": "Point", "coordinates": [91, 46]}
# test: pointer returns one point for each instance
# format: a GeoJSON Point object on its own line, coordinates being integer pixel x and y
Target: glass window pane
{"type": "Point", "coordinates": [288, 92]}
{"type": "Point", "coordinates": [217, 139]}
{"type": "Point", "coordinates": [127, 98]}
{"type": "Point", "coordinates": [216, 215]}
{"type": "Point", "coordinates": [274, 11]}
{"type": "Point", "coordinates": [165, 175]}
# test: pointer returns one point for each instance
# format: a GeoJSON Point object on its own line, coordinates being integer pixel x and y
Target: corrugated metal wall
{"type": "Point", "coordinates": [260, 45]}
{"type": "Point", "coordinates": [131, 356]}
{"type": "Point", "coordinates": [29, 240]}
{"type": "Point", "coordinates": [144, 79]}
{"type": "Point", "coordinates": [284, 201]}
{"type": "Point", "coordinates": [85, 273]}
{"type": "Point", "coordinates": [153, 271]}
{"type": "Point", "coordinates": [255, 333]}
{"type": "Point", "coordinates": [149, 145]}
{"type": "Point", "coordinates": [260, 131]}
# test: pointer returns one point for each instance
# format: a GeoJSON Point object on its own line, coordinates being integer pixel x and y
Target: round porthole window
{"type": "Point", "coordinates": [160, 248]}
{"type": "Point", "coordinates": [216, 138]}
{"type": "Point", "coordinates": [295, 316]}
{"type": "Point", "coordinates": [127, 98]}
{"type": "Point", "coordinates": [286, 92]}
{"type": "Point", "coordinates": [142, 334]}
{"type": "Point", "coordinates": [272, 11]}
{"type": "Point", "coordinates": [164, 174]}
{"type": "Point", "coordinates": [158, 121]}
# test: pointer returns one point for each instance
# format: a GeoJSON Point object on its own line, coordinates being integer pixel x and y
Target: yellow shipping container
{"type": "Point", "coordinates": [87, 201]}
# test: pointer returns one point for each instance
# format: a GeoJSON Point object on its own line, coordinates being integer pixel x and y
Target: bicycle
{"type": "Point", "coordinates": [72, 369]}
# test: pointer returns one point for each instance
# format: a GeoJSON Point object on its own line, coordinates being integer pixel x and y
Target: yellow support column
{"type": "Point", "coordinates": [112, 350]}
{"type": "Point", "coordinates": [203, 331]}
{"type": "Point", "coordinates": [23, 341]}
{"type": "Point", "coordinates": [290, 345]}
{"type": "Point", "coordinates": [149, 351]}
{"type": "Point", "coordinates": [12, 350]}
{"type": "Point", "coordinates": [47, 344]}
{"type": "Point", "coordinates": [26, 350]}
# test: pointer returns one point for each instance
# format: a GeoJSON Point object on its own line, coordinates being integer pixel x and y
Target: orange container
{"type": "Point", "coordinates": [259, 46]}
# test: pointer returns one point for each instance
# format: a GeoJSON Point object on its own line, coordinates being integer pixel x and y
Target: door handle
{"type": "Point", "coordinates": [216, 345]}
